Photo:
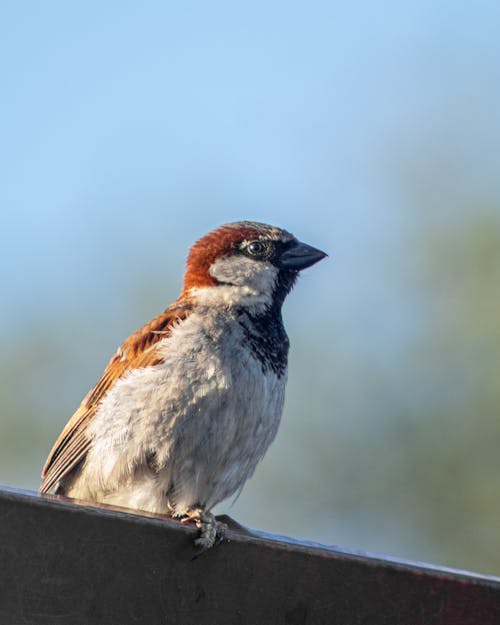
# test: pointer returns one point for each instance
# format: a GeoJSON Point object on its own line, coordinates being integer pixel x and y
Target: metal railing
{"type": "Point", "coordinates": [62, 562]}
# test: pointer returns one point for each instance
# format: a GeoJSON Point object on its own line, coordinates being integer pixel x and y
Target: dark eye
{"type": "Point", "coordinates": [256, 248]}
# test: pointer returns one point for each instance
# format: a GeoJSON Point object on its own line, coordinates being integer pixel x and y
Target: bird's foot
{"type": "Point", "coordinates": [211, 530]}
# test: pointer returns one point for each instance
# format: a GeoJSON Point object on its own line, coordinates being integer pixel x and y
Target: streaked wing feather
{"type": "Point", "coordinates": [138, 351]}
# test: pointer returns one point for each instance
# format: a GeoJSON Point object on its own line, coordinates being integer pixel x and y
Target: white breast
{"type": "Point", "coordinates": [206, 416]}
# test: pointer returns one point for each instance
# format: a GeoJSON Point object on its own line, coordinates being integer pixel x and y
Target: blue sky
{"type": "Point", "coordinates": [140, 126]}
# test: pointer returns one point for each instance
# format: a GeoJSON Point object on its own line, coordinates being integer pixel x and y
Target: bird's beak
{"type": "Point", "coordinates": [300, 256]}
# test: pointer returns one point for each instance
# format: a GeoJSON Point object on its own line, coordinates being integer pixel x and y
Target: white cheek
{"type": "Point", "coordinates": [248, 283]}
{"type": "Point", "coordinates": [260, 276]}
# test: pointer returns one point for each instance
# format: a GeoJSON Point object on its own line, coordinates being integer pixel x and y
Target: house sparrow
{"type": "Point", "coordinates": [189, 404]}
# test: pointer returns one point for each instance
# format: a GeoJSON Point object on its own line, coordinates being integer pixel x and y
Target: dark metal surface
{"type": "Point", "coordinates": [63, 563]}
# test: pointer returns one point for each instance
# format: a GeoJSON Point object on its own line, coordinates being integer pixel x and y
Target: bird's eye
{"type": "Point", "coordinates": [256, 248]}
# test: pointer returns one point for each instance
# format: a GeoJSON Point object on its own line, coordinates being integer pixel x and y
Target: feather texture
{"type": "Point", "coordinates": [138, 351]}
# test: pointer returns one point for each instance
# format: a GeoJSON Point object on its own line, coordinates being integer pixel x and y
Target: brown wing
{"type": "Point", "coordinates": [139, 350]}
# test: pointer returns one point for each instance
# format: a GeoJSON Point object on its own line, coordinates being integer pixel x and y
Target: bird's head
{"type": "Point", "coordinates": [246, 264]}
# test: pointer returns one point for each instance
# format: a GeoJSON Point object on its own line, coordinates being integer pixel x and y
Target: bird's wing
{"type": "Point", "coordinates": [139, 350]}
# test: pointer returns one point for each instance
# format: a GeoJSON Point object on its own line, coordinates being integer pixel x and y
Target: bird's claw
{"type": "Point", "coordinates": [211, 532]}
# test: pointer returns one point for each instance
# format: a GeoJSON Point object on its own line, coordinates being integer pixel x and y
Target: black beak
{"type": "Point", "coordinates": [300, 256]}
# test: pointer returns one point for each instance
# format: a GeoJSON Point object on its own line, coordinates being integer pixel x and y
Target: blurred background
{"type": "Point", "coordinates": [371, 130]}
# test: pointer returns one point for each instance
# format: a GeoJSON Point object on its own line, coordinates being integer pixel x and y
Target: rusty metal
{"type": "Point", "coordinates": [63, 563]}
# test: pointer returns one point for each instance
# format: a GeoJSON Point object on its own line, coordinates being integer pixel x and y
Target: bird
{"type": "Point", "coordinates": [189, 404]}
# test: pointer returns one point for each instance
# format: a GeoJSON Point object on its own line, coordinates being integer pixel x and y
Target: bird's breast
{"type": "Point", "coordinates": [206, 413]}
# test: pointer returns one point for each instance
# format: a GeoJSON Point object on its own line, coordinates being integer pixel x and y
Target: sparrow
{"type": "Point", "coordinates": [189, 404]}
